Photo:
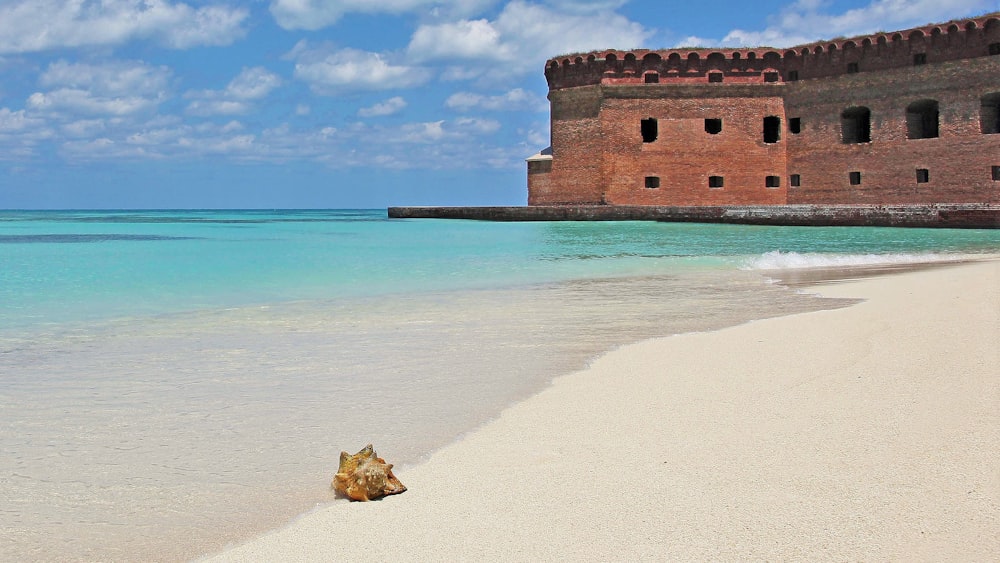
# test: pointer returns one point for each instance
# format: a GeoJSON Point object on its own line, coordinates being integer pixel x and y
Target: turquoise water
{"type": "Point", "coordinates": [174, 381]}
{"type": "Point", "coordinates": [58, 267]}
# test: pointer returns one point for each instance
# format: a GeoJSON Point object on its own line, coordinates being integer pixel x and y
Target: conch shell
{"type": "Point", "coordinates": [365, 476]}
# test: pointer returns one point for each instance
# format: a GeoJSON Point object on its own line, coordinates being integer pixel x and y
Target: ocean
{"type": "Point", "coordinates": [175, 381]}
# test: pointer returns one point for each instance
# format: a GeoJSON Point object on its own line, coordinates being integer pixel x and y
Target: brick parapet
{"type": "Point", "coordinates": [950, 41]}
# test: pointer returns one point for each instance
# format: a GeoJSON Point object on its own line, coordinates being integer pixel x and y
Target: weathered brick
{"type": "Point", "coordinates": [598, 101]}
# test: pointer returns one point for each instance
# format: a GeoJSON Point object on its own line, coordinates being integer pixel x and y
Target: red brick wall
{"type": "Point", "coordinates": [684, 155]}
{"type": "Point", "coordinates": [959, 161]}
{"type": "Point", "coordinates": [576, 150]}
{"type": "Point", "coordinates": [598, 102]}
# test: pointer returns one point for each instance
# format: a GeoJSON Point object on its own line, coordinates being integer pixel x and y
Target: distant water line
{"type": "Point", "coordinates": [165, 395]}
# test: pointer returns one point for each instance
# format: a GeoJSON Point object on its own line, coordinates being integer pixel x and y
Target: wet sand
{"type": "Point", "coordinates": [861, 433]}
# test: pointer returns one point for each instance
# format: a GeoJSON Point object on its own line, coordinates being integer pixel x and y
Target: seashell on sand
{"type": "Point", "coordinates": [365, 476]}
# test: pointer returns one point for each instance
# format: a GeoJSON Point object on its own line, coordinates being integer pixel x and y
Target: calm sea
{"type": "Point", "coordinates": [173, 381]}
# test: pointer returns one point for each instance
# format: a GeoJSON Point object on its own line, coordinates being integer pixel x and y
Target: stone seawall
{"type": "Point", "coordinates": [970, 216]}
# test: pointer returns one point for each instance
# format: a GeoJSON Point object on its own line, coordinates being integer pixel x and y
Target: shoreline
{"type": "Point", "coordinates": [668, 448]}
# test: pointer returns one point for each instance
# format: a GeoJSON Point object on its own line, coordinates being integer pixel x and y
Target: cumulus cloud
{"type": "Point", "coordinates": [330, 71]}
{"type": "Point", "coordinates": [16, 121]}
{"type": "Point", "coordinates": [517, 99]}
{"type": "Point", "coordinates": [111, 88]}
{"type": "Point", "coordinates": [250, 85]}
{"type": "Point", "coordinates": [388, 107]}
{"type": "Point", "coordinates": [523, 35]}
{"type": "Point", "coordinates": [806, 21]}
{"type": "Point", "coordinates": [111, 78]}
{"type": "Point", "coordinates": [316, 14]}
{"type": "Point", "coordinates": [39, 25]}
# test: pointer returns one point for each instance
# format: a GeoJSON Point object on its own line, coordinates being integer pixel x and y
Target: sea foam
{"type": "Point", "coordinates": [778, 260]}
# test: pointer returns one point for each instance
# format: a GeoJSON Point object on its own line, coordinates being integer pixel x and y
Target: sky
{"type": "Point", "coordinates": [172, 104]}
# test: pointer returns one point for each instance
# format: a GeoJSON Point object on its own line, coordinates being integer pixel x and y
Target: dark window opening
{"type": "Point", "coordinates": [652, 182]}
{"type": "Point", "coordinates": [922, 120]}
{"type": "Point", "coordinates": [652, 78]}
{"type": "Point", "coordinates": [994, 49]}
{"type": "Point", "coordinates": [856, 125]}
{"type": "Point", "coordinates": [852, 68]}
{"type": "Point", "coordinates": [923, 176]}
{"type": "Point", "coordinates": [793, 75]}
{"type": "Point", "coordinates": [715, 77]}
{"type": "Point", "coordinates": [713, 126]}
{"type": "Point", "coordinates": [772, 181]}
{"type": "Point", "coordinates": [920, 59]}
{"type": "Point", "coordinates": [770, 77]}
{"type": "Point", "coordinates": [649, 130]}
{"type": "Point", "coordinates": [989, 114]}
{"type": "Point", "coordinates": [795, 180]}
{"type": "Point", "coordinates": [855, 178]}
{"type": "Point", "coordinates": [996, 173]}
{"type": "Point", "coordinates": [715, 181]}
{"type": "Point", "coordinates": [772, 129]}
{"type": "Point", "coordinates": [795, 125]}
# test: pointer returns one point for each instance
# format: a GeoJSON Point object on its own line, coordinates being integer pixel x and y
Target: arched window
{"type": "Point", "coordinates": [922, 120]}
{"type": "Point", "coordinates": [989, 114]}
{"type": "Point", "coordinates": [856, 125]}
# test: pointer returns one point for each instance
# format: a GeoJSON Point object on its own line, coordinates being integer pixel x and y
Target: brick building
{"type": "Point", "coordinates": [908, 117]}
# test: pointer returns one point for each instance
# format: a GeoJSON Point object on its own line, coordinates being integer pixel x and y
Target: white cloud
{"type": "Point", "coordinates": [250, 85]}
{"type": "Point", "coordinates": [805, 21]}
{"type": "Point", "coordinates": [81, 101]}
{"type": "Point", "coordinates": [113, 78]}
{"type": "Point", "coordinates": [524, 35]}
{"type": "Point", "coordinates": [517, 99]}
{"type": "Point", "coordinates": [388, 107]}
{"type": "Point", "coordinates": [316, 14]}
{"type": "Point", "coordinates": [334, 71]}
{"type": "Point", "coordinates": [476, 126]}
{"type": "Point", "coordinates": [111, 88]}
{"type": "Point", "coordinates": [217, 107]}
{"type": "Point", "coordinates": [39, 25]}
{"type": "Point", "coordinates": [476, 39]}
{"type": "Point", "coordinates": [14, 121]}
{"type": "Point", "coordinates": [84, 128]}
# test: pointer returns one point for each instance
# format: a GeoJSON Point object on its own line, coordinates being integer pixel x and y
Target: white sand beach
{"type": "Point", "coordinates": [865, 433]}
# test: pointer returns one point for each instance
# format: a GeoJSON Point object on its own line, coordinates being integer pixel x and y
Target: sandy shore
{"type": "Point", "coordinates": [865, 433]}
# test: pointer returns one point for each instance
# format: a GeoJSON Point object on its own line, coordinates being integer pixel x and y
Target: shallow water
{"type": "Point", "coordinates": [195, 400]}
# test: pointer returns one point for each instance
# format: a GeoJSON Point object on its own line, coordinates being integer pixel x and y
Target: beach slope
{"type": "Point", "coordinates": [865, 433]}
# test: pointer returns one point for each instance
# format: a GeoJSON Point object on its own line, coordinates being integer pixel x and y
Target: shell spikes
{"type": "Point", "coordinates": [365, 476]}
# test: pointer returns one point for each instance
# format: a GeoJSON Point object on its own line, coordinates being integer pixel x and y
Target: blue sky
{"type": "Point", "coordinates": [332, 104]}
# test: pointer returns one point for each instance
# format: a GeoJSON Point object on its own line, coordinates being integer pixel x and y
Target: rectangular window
{"type": "Point", "coordinates": [852, 68]}
{"type": "Point", "coordinates": [649, 130]}
{"type": "Point", "coordinates": [995, 48]}
{"type": "Point", "coordinates": [923, 175]}
{"type": "Point", "coordinates": [713, 126]}
{"type": "Point", "coordinates": [715, 181]}
{"type": "Point", "coordinates": [652, 78]}
{"type": "Point", "coordinates": [652, 182]}
{"type": "Point", "coordinates": [794, 125]}
{"type": "Point", "coordinates": [772, 129]}
{"type": "Point", "coordinates": [996, 173]}
{"type": "Point", "coordinates": [855, 178]}
{"type": "Point", "coordinates": [920, 59]}
{"type": "Point", "coordinates": [793, 75]}
{"type": "Point", "coordinates": [795, 180]}
{"type": "Point", "coordinates": [715, 77]}
{"type": "Point", "coordinates": [773, 181]}
{"type": "Point", "coordinates": [770, 77]}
